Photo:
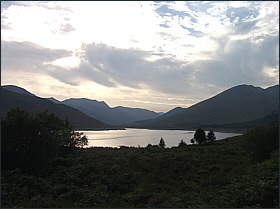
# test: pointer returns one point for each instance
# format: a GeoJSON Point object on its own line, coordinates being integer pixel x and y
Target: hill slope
{"type": "Point", "coordinates": [236, 105]}
{"type": "Point", "coordinates": [32, 104]}
{"type": "Point", "coordinates": [17, 89]}
{"type": "Point", "coordinates": [113, 116]}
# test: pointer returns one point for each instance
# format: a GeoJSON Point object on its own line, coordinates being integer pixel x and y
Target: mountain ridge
{"type": "Point", "coordinates": [11, 100]}
{"type": "Point", "coordinates": [239, 104]}
{"type": "Point", "coordinates": [235, 105]}
{"type": "Point", "coordinates": [117, 116]}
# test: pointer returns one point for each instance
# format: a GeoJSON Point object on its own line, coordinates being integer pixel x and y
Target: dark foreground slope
{"type": "Point", "coordinates": [236, 105]}
{"type": "Point", "coordinates": [220, 176]}
{"type": "Point", "coordinates": [33, 104]}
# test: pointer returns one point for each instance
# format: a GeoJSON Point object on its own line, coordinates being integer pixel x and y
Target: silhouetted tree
{"type": "Point", "coordinates": [192, 141]}
{"type": "Point", "coordinates": [210, 136]}
{"type": "Point", "coordinates": [31, 141]}
{"type": "Point", "coordinates": [182, 143]}
{"type": "Point", "coordinates": [161, 143]}
{"type": "Point", "coordinates": [262, 140]}
{"type": "Point", "coordinates": [199, 136]}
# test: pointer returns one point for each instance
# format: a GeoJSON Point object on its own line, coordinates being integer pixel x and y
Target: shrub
{"type": "Point", "coordinates": [161, 143]}
{"type": "Point", "coordinates": [210, 137]}
{"type": "Point", "coordinates": [262, 140]}
{"type": "Point", "coordinates": [182, 143]}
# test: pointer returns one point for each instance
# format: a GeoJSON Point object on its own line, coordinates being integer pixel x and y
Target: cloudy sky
{"type": "Point", "coordinates": [153, 55]}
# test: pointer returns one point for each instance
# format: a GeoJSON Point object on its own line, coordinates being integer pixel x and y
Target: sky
{"type": "Point", "coordinates": [152, 55]}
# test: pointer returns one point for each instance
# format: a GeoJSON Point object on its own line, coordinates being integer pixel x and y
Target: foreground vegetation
{"type": "Point", "coordinates": [227, 173]}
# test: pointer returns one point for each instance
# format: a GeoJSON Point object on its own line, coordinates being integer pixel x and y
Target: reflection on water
{"type": "Point", "coordinates": [143, 137]}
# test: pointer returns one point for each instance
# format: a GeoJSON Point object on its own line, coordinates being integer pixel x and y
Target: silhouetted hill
{"type": "Point", "coordinates": [17, 89]}
{"type": "Point", "coordinates": [114, 116]}
{"type": "Point", "coordinates": [162, 116]}
{"type": "Point", "coordinates": [236, 105]}
{"type": "Point", "coordinates": [138, 113]}
{"type": "Point", "coordinates": [33, 104]}
{"type": "Point", "coordinates": [98, 110]}
{"type": "Point", "coordinates": [249, 124]}
{"type": "Point", "coordinates": [53, 100]}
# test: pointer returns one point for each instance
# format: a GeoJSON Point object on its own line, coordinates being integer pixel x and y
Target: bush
{"type": "Point", "coordinates": [262, 140]}
{"type": "Point", "coordinates": [161, 143]}
{"type": "Point", "coordinates": [30, 141]}
{"type": "Point", "coordinates": [210, 137]}
{"type": "Point", "coordinates": [182, 143]}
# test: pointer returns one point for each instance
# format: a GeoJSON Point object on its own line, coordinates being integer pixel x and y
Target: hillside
{"type": "Point", "coordinates": [114, 116]}
{"type": "Point", "coordinates": [138, 113]}
{"type": "Point", "coordinates": [117, 116]}
{"type": "Point", "coordinates": [17, 89]}
{"type": "Point", "coordinates": [236, 105]}
{"type": "Point", "coordinates": [79, 120]}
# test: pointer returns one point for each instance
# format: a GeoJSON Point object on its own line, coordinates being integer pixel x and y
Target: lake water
{"type": "Point", "coordinates": [143, 137]}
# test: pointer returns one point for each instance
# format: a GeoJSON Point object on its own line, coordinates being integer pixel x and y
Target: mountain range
{"type": "Point", "coordinates": [239, 104]}
{"type": "Point", "coordinates": [243, 105]}
{"type": "Point", "coordinates": [12, 100]}
{"type": "Point", "coordinates": [117, 116]}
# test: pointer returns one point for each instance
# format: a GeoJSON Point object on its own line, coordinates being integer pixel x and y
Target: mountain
{"type": "Point", "coordinates": [249, 124]}
{"type": "Point", "coordinates": [162, 116]}
{"type": "Point", "coordinates": [17, 89]}
{"type": "Point", "coordinates": [53, 100]}
{"type": "Point", "coordinates": [10, 99]}
{"type": "Point", "coordinates": [117, 116]}
{"type": "Point", "coordinates": [138, 113]}
{"type": "Point", "coordinates": [239, 104]}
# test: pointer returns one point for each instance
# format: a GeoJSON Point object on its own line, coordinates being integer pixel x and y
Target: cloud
{"type": "Point", "coordinates": [27, 56]}
{"type": "Point", "coordinates": [243, 60]}
{"type": "Point", "coordinates": [154, 50]}
{"type": "Point", "coordinates": [66, 28]}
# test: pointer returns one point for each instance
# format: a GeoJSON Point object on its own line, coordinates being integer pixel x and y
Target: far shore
{"type": "Point", "coordinates": [223, 130]}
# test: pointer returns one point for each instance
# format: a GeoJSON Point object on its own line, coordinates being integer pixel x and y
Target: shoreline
{"type": "Point", "coordinates": [223, 130]}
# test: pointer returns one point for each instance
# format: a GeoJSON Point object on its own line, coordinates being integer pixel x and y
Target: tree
{"type": "Point", "coordinates": [210, 136]}
{"type": "Point", "coordinates": [199, 136]}
{"type": "Point", "coordinates": [262, 140]}
{"type": "Point", "coordinates": [182, 143]}
{"type": "Point", "coordinates": [31, 141]}
{"type": "Point", "coordinates": [161, 143]}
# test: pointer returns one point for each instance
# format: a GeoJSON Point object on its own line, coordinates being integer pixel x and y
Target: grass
{"type": "Point", "coordinates": [217, 175]}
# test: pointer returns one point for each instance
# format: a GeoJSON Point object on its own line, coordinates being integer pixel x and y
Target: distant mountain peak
{"type": "Point", "coordinates": [17, 89]}
{"type": "Point", "coordinates": [54, 100]}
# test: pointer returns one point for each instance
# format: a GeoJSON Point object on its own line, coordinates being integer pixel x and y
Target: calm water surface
{"type": "Point", "coordinates": [143, 137]}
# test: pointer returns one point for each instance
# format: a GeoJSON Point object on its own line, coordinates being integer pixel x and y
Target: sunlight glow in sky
{"type": "Point", "coordinates": [153, 55]}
